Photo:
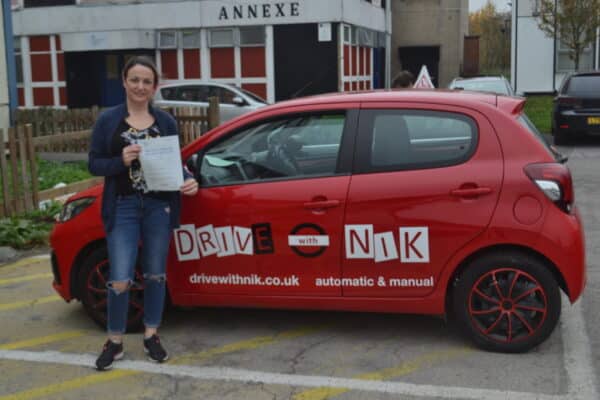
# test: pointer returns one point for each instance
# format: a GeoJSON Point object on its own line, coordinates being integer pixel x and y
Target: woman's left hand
{"type": "Point", "coordinates": [189, 187]}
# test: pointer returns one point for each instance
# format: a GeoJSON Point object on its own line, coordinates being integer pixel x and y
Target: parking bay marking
{"type": "Point", "coordinates": [577, 362]}
{"type": "Point", "coordinates": [29, 303]}
{"type": "Point", "coordinates": [25, 261]}
{"type": "Point", "coordinates": [88, 361]}
{"type": "Point", "coordinates": [394, 372]}
{"type": "Point", "coordinates": [25, 278]}
{"type": "Point", "coordinates": [42, 340]}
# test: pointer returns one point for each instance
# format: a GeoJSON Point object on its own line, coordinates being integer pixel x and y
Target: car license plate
{"type": "Point", "coordinates": [593, 120]}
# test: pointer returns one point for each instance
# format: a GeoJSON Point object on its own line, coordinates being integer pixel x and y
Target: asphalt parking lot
{"type": "Point", "coordinates": [47, 347]}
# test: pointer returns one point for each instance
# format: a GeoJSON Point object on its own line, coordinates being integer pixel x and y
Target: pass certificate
{"type": "Point", "coordinates": [160, 159]}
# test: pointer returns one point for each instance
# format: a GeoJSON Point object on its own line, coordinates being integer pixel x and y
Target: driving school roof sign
{"type": "Point", "coordinates": [424, 80]}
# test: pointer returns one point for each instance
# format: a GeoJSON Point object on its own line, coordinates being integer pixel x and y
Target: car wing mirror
{"type": "Point", "coordinates": [238, 101]}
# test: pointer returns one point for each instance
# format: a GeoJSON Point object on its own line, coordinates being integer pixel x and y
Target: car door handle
{"type": "Point", "coordinates": [471, 192]}
{"type": "Point", "coordinates": [321, 204]}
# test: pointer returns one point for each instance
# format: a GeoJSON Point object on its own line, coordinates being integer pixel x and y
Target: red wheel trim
{"type": "Point", "coordinates": [500, 307]}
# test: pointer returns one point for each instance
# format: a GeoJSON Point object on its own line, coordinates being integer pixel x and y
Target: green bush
{"type": "Point", "coordinates": [29, 229]}
{"type": "Point", "coordinates": [50, 173]}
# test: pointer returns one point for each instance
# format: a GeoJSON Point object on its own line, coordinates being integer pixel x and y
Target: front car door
{"type": "Point", "coordinates": [269, 214]}
{"type": "Point", "coordinates": [426, 181]}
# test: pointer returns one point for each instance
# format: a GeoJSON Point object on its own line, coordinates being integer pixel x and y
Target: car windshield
{"type": "Point", "coordinates": [584, 85]}
{"type": "Point", "coordinates": [252, 95]}
{"type": "Point", "coordinates": [531, 128]}
{"type": "Point", "coordinates": [488, 85]}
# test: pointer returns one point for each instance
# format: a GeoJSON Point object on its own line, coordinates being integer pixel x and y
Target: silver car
{"type": "Point", "coordinates": [493, 84]}
{"type": "Point", "coordinates": [233, 101]}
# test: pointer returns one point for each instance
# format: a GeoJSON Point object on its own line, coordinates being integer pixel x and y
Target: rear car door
{"type": "Point", "coordinates": [268, 217]}
{"type": "Point", "coordinates": [426, 181]}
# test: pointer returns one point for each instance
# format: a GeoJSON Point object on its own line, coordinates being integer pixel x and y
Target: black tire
{"type": "Point", "coordinates": [92, 291]}
{"type": "Point", "coordinates": [507, 302]}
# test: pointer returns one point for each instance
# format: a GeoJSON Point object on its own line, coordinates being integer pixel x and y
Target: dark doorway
{"type": "Point", "coordinates": [84, 78]}
{"type": "Point", "coordinates": [94, 77]}
{"type": "Point", "coordinates": [413, 57]}
{"type": "Point", "coordinates": [303, 65]}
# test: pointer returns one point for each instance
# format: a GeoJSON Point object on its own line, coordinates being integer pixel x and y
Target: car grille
{"type": "Point", "coordinates": [55, 270]}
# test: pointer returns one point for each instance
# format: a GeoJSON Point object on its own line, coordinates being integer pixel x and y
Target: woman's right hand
{"type": "Point", "coordinates": [131, 153]}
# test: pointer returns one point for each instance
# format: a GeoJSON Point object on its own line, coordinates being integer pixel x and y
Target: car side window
{"type": "Point", "coordinates": [414, 139]}
{"type": "Point", "coordinates": [169, 93]}
{"type": "Point", "coordinates": [291, 148]}
{"type": "Point", "coordinates": [224, 95]}
{"type": "Point", "coordinates": [192, 93]}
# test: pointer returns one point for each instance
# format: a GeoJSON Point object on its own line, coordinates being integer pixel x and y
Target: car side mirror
{"type": "Point", "coordinates": [238, 101]}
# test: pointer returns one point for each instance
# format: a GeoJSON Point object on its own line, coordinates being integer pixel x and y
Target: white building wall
{"type": "Point", "coordinates": [534, 58]}
{"type": "Point", "coordinates": [186, 14]}
{"type": "Point", "coordinates": [4, 100]}
{"type": "Point", "coordinates": [533, 68]}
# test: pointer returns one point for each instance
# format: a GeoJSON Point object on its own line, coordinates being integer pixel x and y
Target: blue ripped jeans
{"type": "Point", "coordinates": [146, 218]}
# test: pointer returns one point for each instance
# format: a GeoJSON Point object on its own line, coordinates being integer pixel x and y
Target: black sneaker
{"type": "Point", "coordinates": [154, 349]}
{"type": "Point", "coordinates": [110, 352]}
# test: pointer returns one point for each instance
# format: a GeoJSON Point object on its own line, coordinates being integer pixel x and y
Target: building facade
{"type": "Point", "coordinates": [539, 63]}
{"type": "Point", "coordinates": [430, 32]}
{"type": "Point", "coordinates": [70, 52]}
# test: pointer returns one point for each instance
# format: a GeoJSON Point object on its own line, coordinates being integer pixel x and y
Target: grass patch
{"type": "Point", "coordinates": [539, 111]}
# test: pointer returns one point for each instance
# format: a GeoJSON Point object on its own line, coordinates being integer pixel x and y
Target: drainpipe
{"type": "Point", "coordinates": [388, 42]}
{"type": "Point", "coordinates": [10, 57]}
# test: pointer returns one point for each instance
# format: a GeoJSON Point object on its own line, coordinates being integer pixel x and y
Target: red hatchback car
{"type": "Point", "coordinates": [432, 202]}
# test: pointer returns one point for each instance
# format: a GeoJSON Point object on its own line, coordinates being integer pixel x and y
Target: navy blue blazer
{"type": "Point", "coordinates": [102, 162]}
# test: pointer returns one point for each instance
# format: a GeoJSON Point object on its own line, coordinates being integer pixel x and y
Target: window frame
{"type": "Point", "coordinates": [364, 141]}
{"type": "Point", "coordinates": [345, 153]}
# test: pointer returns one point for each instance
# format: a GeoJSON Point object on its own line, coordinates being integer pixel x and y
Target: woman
{"type": "Point", "coordinates": [130, 213]}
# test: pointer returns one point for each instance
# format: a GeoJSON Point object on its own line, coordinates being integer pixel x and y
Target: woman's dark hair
{"type": "Point", "coordinates": [144, 61]}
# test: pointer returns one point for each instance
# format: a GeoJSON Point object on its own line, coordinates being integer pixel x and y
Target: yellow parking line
{"type": "Point", "coordinates": [24, 261]}
{"type": "Point", "coordinates": [395, 372]}
{"type": "Point", "coordinates": [24, 278]}
{"type": "Point", "coordinates": [77, 383]}
{"type": "Point", "coordinates": [69, 385]}
{"type": "Point", "coordinates": [28, 303]}
{"type": "Point", "coordinates": [41, 340]}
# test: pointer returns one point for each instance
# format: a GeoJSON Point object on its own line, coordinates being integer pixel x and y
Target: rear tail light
{"type": "Point", "coordinates": [555, 181]}
{"type": "Point", "coordinates": [569, 102]}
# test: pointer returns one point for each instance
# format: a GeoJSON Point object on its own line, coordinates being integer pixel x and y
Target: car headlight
{"type": "Point", "coordinates": [73, 208]}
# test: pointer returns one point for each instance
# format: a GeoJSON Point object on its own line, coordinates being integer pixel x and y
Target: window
{"type": "Point", "coordinates": [564, 62]}
{"type": "Point", "coordinates": [583, 85]}
{"type": "Point", "coordinates": [252, 36]}
{"type": "Point", "coordinates": [296, 147]}
{"type": "Point", "coordinates": [190, 39]}
{"type": "Point", "coordinates": [412, 139]}
{"type": "Point", "coordinates": [193, 93]}
{"type": "Point", "coordinates": [167, 39]}
{"type": "Point", "coordinates": [18, 59]}
{"type": "Point", "coordinates": [224, 95]}
{"type": "Point", "coordinates": [221, 38]}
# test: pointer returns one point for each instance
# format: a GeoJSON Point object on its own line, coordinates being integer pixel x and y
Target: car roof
{"type": "Point", "coordinates": [471, 99]}
{"type": "Point", "coordinates": [481, 78]}
{"type": "Point", "coordinates": [188, 82]}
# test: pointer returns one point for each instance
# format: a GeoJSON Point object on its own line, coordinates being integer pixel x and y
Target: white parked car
{"type": "Point", "coordinates": [233, 101]}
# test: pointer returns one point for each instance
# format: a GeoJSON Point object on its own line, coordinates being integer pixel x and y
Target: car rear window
{"type": "Point", "coordinates": [531, 128]}
{"type": "Point", "coordinates": [584, 84]}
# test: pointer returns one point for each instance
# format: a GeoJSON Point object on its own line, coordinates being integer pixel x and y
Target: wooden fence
{"type": "Point", "coordinates": [51, 121]}
{"type": "Point", "coordinates": [18, 170]}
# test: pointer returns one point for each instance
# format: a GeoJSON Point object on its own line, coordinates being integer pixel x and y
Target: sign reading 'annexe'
{"type": "Point", "coordinates": [249, 11]}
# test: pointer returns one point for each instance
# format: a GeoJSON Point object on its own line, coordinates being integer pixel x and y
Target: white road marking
{"type": "Point", "coordinates": [243, 375]}
{"type": "Point", "coordinates": [577, 349]}
{"type": "Point", "coordinates": [577, 363]}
